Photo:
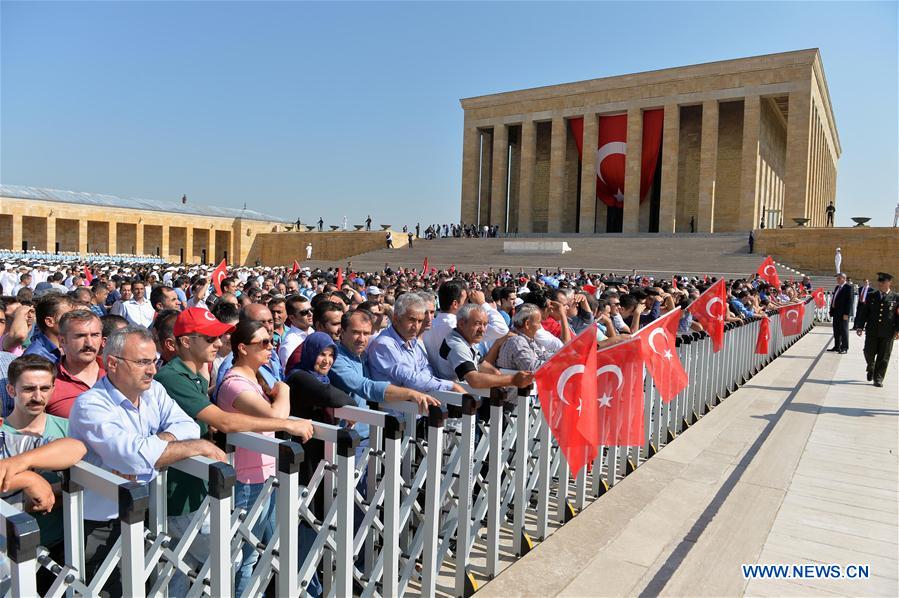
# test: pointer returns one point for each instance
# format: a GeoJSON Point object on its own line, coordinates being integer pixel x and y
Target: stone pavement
{"type": "Point", "coordinates": [798, 466]}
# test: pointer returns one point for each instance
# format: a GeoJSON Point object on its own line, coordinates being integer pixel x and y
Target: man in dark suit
{"type": "Point", "coordinates": [840, 310]}
{"type": "Point", "coordinates": [878, 320]}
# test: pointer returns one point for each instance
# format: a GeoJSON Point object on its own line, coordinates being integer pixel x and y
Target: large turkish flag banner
{"type": "Point", "coordinates": [612, 149]}
{"type": "Point", "coordinates": [218, 275]}
{"type": "Point", "coordinates": [791, 317]}
{"type": "Point", "coordinates": [768, 272]}
{"type": "Point", "coordinates": [709, 310]}
{"type": "Point", "coordinates": [619, 386]}
{"type": "Point", "coordinates": [566, 385]}
{"type": "Point", "coordinates": [665, 367]}
{"type": "Point", "coordinates": [761, 342]}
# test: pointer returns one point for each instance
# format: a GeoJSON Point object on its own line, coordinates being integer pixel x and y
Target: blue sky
{"type": "Point", "coordinates": [333, 109]}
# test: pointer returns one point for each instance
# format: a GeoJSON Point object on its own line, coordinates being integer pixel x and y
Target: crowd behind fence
{"type": "Point", "coordinates": [428, 507]}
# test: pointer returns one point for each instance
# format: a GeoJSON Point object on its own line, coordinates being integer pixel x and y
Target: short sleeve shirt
{"type": "Point", "coordinates": [251, 467]}
{"type": "Point", "coordinates": [189, 390]}
{"type": "Point", "coordinates": [456, 357]}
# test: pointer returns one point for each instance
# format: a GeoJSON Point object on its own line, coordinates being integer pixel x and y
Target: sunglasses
{"type": "Point", "coordinates": [264, 343]}
{"type": "Point", "coordinates": [208, 339]}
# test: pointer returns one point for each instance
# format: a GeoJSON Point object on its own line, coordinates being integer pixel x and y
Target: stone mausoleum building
{"type": "Point", "coordinates": [730, 145]}
{"type": "Point", "coordinates": [53, 221]}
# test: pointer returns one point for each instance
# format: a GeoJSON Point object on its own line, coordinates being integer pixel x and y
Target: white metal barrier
{"type": "Point", "coordinates": [431, 505]}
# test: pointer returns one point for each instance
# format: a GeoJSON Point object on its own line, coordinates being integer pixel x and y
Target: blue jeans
{"type": "Point", "coordinates": [244, 497]}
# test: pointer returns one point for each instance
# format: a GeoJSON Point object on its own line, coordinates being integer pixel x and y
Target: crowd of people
{"type": "Point", "coordinates": [146, 365]}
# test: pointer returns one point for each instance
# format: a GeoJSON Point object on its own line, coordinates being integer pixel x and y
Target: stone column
{"type": "Point", "coordinates": [113, 236]}
{"type": "Point", "coordinates": [798, 136]}
{"type": "Point", "coordinates": [82, 237]}
{"type": "Point", "coordinates": [210, 249]}
{"type": "Point", "coordinates": [189, 244]}
{"type": "Point", "coordinates": [471, 158]}
{"type": "Point", "coordinates": [587, 217]}
{"type": "Point", "coordinates": [670, 150]}
{"type": "Point", "coordinates": [164, 245]}
{"type": "Point", "coordinates": [500, 176]}
{"type": "Point", "coordinates": [51, 234]}
{"type": "Point", "coordinates": [632, 164]}
{"type": "Point", "coordinates": [556, 175]}
{"type": "Point", "coordinates": [748, 214]}
{"type": "Point", "coordinates": [708, 166]}
{"type": "Point", "coordinates": [486, 177]}
{"type": "Point", "coordinates": [526, 176]}
{"type": "Point", "coordinates": [139, 237]}
{"type": "Point", "coordinates": [17, 227]}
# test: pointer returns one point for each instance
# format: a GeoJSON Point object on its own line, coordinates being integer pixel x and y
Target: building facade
{"type": "Point", "coordinates": [717, 147]}
{"type": "Point", "coordinates": [52, 221]}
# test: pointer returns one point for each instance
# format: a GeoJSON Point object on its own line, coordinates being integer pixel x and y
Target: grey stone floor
{"type": "Point", "coordinates": [798, 466]}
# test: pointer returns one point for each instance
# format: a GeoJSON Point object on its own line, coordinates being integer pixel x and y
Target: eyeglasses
{"type": "Point", "coordinates": [264, 343]}
{"type": "Point", "coordinates": [141, 363]}
{"type": "Point", "coordinates": [208, 339]}
{"type": "Point", "coordinates": [305, 312]}
{"type": "Point", "coordinates": [33, 387]}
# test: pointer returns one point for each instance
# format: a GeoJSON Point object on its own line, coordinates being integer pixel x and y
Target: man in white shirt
{"type": "Point", "coordinates": [138, 310]}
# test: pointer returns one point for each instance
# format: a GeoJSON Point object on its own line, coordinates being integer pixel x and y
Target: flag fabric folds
{"type": "Point", "coordinates": [761, 342]}
{"type": "Point", "coordinates": [218, 275]}
{"type": "Point", "coordinates": [709, 310]}
{"type": "Point", "coordinates": [296, 267]}
{"type": "Point", "coordinates": [424, 267]}
{"type": "Point", "coordinates": [567, 389]}
{"type": "Point", "coordinates": [818, 296]}
{"type": "Point", "coordinates": [339, 278]}
{"type": "Point", "coordinates": [665, 367]}
{"type": "Point", "coordinates": [791, 317]}
{"type": "Point", "coordinates": [88, 276]}
{"type": "Point", "coordinates": [768, 272]}
{"type": "Point", "coordinates": [619, 387]}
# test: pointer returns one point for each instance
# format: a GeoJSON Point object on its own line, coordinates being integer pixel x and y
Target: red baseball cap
{"type": "Point", "coordinates": [197, 320]}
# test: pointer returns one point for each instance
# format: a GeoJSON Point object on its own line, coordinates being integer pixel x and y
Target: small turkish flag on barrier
{"type": "Point", "coordinates": [567, 389]}
{"type": "Point", "coordinates": [761, 343]}
{"type": "Point", "coordinates": [791, 317]}
{"type": "Point", "coordinates": [218, 275]}
{"type": "Point", "coordinates": [709, 310]}
{"type": "Point", "coordinates": [664, 365]}
{"type": "Point", "coordinates": [818, 296]}
{"type": "Point", "coordinates": [768, 272]}
{"type": "Point", "coordinates": [619, 387]}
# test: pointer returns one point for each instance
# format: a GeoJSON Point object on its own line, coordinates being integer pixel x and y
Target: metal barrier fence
{"type": "Point", "coordinates": [432, 505]}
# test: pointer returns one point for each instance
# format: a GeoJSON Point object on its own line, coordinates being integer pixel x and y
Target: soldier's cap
{"type": "Point", "coordinates": [883, 276]}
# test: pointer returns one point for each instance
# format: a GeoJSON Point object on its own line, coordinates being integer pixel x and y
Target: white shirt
{"type": "Point", "coordinates": [292, 339]}
{"type": "Point", "coordinates": [548, 340]}
{"type": "Point", "coordinates": [444, 323]}
{"type": "Point", "coordinates": [139, 314]}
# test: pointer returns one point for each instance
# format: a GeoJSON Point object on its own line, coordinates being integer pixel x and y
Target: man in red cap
{"type": "Point", "coordinates": [186, 379]}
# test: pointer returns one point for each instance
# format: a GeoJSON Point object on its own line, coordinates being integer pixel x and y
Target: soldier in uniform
{"type": "Point", "coordinates": [878, 319]}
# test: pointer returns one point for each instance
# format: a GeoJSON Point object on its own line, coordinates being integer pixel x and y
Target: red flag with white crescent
{"type": "Point", "coordinates": [791, 317]}
{"type": "Point", "coordinates": [612, 149]}
{"type": "Point", "coordinates": [296, 267]}
{"type": "Point", "coordinates": [218, 275]}
{"type": "Point", "coordinates": [339, 280]}
{"type": "Point", "coordinates": [567, 389]}
{"type": "Point", "coordinates": [665, 367]}
{"type": "Point", "coordinates": [619, 388]}
{"type": "Point", "coordinates": [709, 309]}
{"type": "Point", "coordinates": [761, 342]}
{"type": "Point", "coordinates": [818, 296]}
{"type": "Point", "coordinates": [88, 276]}
{"type": "Point", "coordinates": [768, 272]}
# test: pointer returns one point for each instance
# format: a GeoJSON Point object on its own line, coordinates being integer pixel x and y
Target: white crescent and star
{"type": "Point", "coordinates": [613, 147]}
{"type": "Point", "coordinates": [795, 312]}
{"type": "Point", "coordinates": [708, 307]}
{"type": "Point", "coordinates": [606, 399]}
{"type": "Point", "coordinates": [208, 315]}
{"type": "Point", "coordinates": [563, 380]}
{"type": "Point", "coordinates": [774, 270]}
{"type": "Point", "coordinates": [667, 354]}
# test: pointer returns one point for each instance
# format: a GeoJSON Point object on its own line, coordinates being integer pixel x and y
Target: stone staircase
{"type": "Point", "coordinates": [655, 254]}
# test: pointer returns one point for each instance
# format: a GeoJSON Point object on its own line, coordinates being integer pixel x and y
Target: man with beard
{"type": "Point", "coordinates": [81, 334]}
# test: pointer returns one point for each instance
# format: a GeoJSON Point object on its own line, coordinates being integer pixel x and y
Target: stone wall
{"type": "Point", "coordinates": [281, 249]}
{"type": "Point", "coordinates": [688, 166]}
{"type": "Point", "coordinates": [540, 201]}
{"type": "Point", "coordinates": [866, 250]}
{"type": "Point", "coordinates": [730, 155]}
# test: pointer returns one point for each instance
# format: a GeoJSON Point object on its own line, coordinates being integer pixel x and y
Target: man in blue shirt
{"type": "Point", "coordinates": [132, 428]}
{"type": "Point", "coordinates": [47, 313]}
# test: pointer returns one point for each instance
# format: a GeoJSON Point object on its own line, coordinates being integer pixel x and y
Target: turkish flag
{"type": "Point", "coordinates": [218, 275]}
{"type": "Point", "coordinates": [296, 267]}
{"type": "Point", "coordinates": [664, 365]}
{"type": "Point", "coordinates": [339, 279]}
{"type": "Point", "coordinates": [452, 268]}
{"type": "Point", "coordinates": [424, 267]}
{"type": "Point", "coordinates": [566, 385]}
{"type": "Point", "coordinates": [590, 289]}
{"type": "Point", "coordinates": [761, 343]}
{"type": "Point", "coordinates": [818, 296]}
{"type": "Point", "coordinates": [619, 386]}
{"type": "Point", "coordinates": [87, 275]}
{"type": "Point", "coordinates": [674, 281]}
{"type": "Point", "coordinates": [791, 317]}
{"type": "Point", "coordinates": [768, 272]}
{"type": "Point", "coordinates": [610, 157]}
{"type": "Point", "coordinates": [704, 310]}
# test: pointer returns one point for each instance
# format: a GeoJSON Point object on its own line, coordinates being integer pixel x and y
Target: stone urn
{"type": "Point", "coordinates": [801, 222]}
{"type": "Point", "coordinates": [358, 227]}
{"type": "Point", "coordinates": [385, 227]}
{"type": "Point", "coordinates": [860, 220]}
{"type": "Point", "coordinates": [310, 228]}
